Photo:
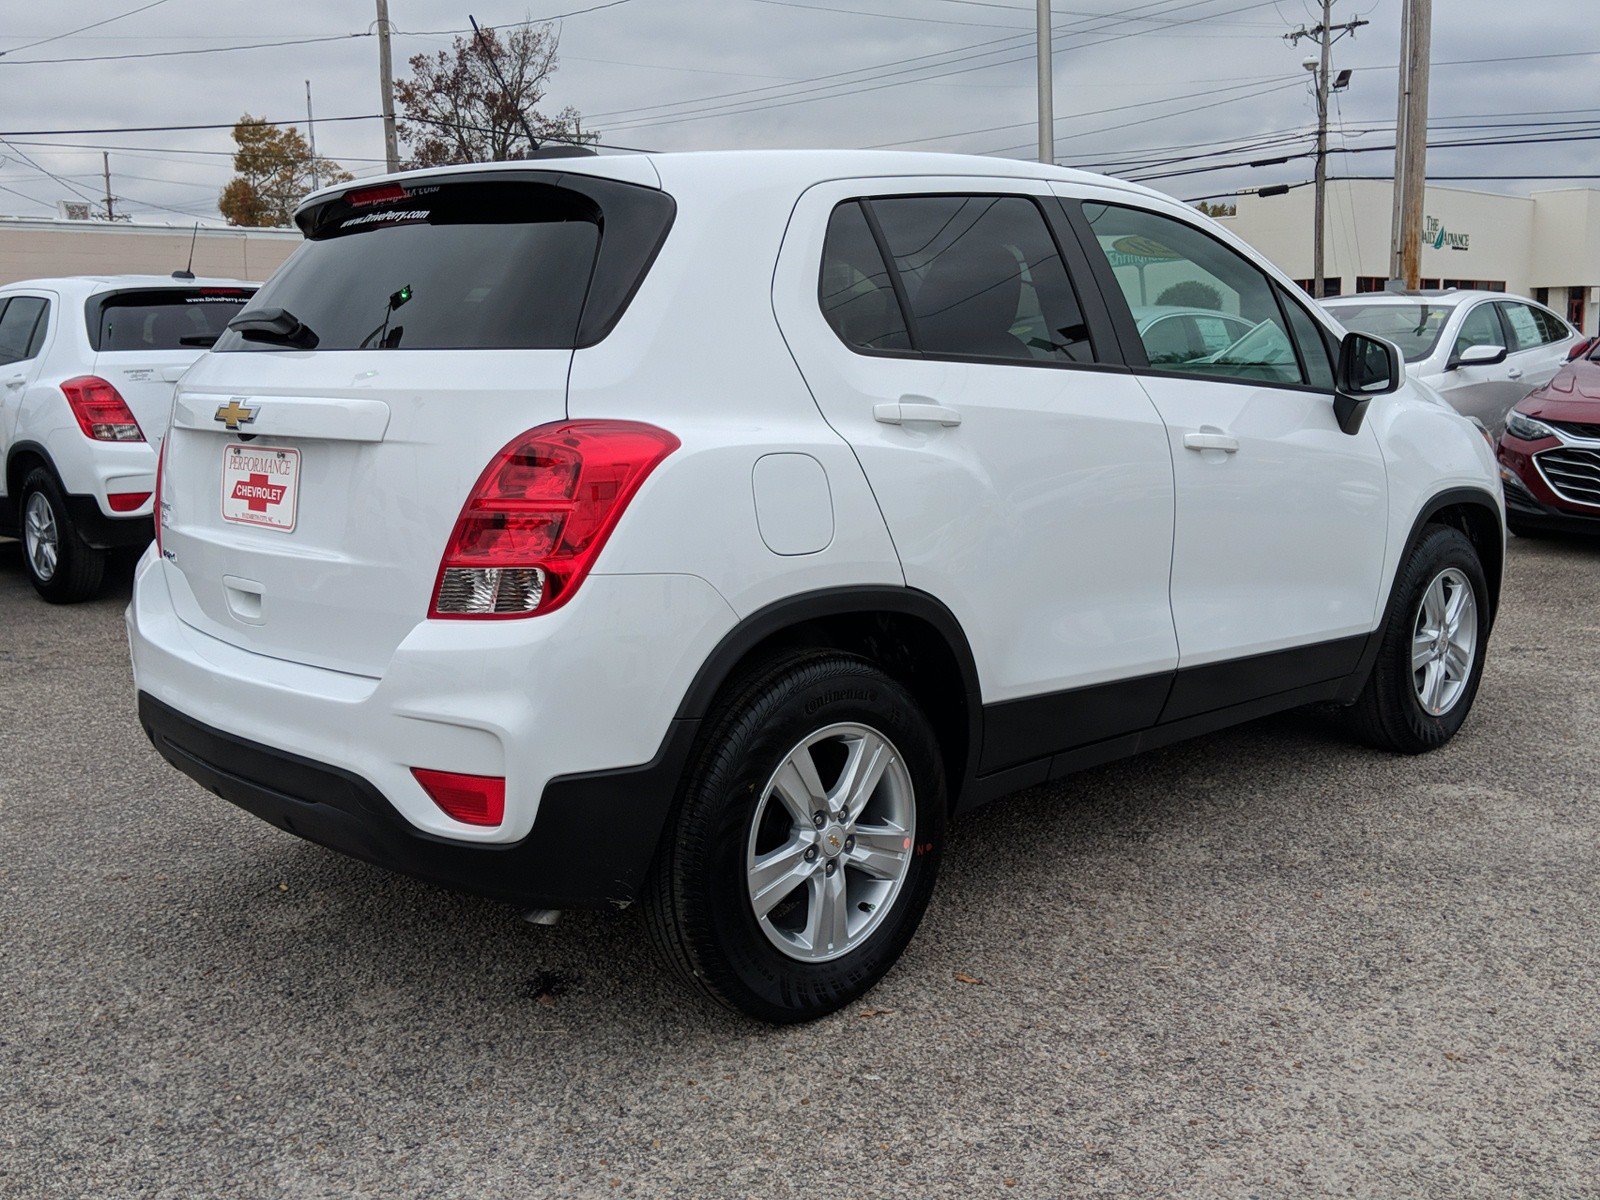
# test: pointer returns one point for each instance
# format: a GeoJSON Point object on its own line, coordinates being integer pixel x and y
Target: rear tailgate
{"type": "Point", "coordinates": [145, 337]}
{"type": "Point", "coordinates": [312, 531]}
{"type": "Point", "coordinates": [320, 455]}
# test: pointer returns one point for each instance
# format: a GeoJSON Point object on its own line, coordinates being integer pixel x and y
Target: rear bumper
{"type": "Point", "coordinates": [591, 844]}
{"type": "Point", "coordinates": [576, 711]}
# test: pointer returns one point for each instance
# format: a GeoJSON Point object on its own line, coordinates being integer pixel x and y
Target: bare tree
{"type": "Point", "coordinates": [454, 108]}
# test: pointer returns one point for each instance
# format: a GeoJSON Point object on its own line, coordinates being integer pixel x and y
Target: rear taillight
{"type": "Point", "coordinates": [539, 515]}
{"type": "Point", "coordinates": [472, 799]}
{"type": "Point", "coordinates": [158, 510]}
{"type": "Point", "coordinates": [101, 411]}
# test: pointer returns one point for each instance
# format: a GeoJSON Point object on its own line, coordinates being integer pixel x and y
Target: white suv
{"type": "Point", "coordinates": [703, 530]}
{"type": "Point", "coordinates": [86, 372]}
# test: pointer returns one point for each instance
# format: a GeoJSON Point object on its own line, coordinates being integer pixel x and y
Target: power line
{"type": "Point", "coordinates": [84, 28]}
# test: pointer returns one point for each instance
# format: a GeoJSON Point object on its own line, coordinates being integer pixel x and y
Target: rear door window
{"type": "Point", "coordinates": [20, 325]}
{"type": "Point", "coordinates": [983, 278]}
{"type": "Point", "coordinates": [452, 266]}
{"type": "Point", "coordinates": [1519, 319]}
{"type": "Point", "coordinates": [163, 318]}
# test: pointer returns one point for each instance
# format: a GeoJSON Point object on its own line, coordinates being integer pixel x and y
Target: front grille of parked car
{"type": "Point", "coordinates": [1577, 429]}
{"type": "Point", "coordinates": [1572, 474]}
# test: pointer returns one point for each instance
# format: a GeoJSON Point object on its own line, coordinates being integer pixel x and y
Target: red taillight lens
{"type": "Point", "coordinates": [126, 501]}
{"type": "Point", "coordinates": [377, 194]}
{"type": "Point", "coordinates": [158, 512]}
{"type": "Point", "coordinates": [471, 799]}
{"type": "Point", "coordinates": [539, 515]}
{"type": "Point", "coordinates": [101, 411]}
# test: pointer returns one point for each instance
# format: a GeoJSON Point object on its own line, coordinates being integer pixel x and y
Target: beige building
{"type": "Point", "coordinates": [39, 248]}
{"type": "Point", "coordinates": [1546, 245]}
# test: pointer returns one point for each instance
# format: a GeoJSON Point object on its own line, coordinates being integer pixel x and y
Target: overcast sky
{"type": "Point", "coordinates": [1131, 81]}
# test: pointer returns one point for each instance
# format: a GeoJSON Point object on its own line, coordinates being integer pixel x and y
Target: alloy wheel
{"type": "Point", "coordinates": [41, 537]}
{"type": "Point", "coordinates": [1444, 642]}
{"type": "Point", "coordinates": [831, 842]}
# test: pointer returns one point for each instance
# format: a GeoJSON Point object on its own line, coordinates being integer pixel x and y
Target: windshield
{"type": "Point", "coordinates": [163, 318]}
{"type": "Point", "coordinates": [1415, 328]}
{"type": "Point", "coordinates": [462, 266]}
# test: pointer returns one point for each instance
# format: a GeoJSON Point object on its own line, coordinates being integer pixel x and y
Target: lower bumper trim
{"type": "Point", "coordinates": [591, 846]}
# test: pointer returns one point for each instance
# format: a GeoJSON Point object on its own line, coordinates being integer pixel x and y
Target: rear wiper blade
{"type": "Point", "coordinates": [277, 325]}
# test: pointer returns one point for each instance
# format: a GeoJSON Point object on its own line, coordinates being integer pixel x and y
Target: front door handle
{"type": "Point", "coordinates": [1514, 373]}
{"type": "Point", "coordinates": [1211, 439]}
{"type": "Point", "coordinates": [909, 409]}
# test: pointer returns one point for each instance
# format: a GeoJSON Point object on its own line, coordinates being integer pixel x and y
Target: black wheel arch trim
{"type": "Point", "coordinates": [1449, 498]}
{"type": "Point", "coordinates": [846, 601]}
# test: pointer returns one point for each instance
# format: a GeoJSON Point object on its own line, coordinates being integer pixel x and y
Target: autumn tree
{"type": "Point", "coordinates": [275, 172]}
{"type": "Point", "coordinates": [455, 109]}
{"type": "Point", "coordinates": [1219, 209]}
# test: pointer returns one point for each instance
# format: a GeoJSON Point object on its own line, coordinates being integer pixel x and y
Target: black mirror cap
{"type": "Point", "coordinates": [1368, 367]}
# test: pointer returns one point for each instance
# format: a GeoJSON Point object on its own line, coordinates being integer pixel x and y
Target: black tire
{"type": "Point", "coordinates": [698, 905]}
{"type": "Point", "coordinates": [1389, 713]}
{"type": "Point", "coordinates": [79, 569]}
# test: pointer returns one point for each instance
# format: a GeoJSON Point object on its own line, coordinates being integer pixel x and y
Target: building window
{"type": "Point", "coordinates": [1542, 295]}
{"type": "Point", "coordinates": [1576, 308]}
{"type": "Point", "coordinates": [1369, 283]}
{"type": "Point", "coordinates": [1331, 286]}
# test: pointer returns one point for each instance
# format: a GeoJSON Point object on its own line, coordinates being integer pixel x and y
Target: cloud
{"type": "Point", "coordinates": [682, 74]}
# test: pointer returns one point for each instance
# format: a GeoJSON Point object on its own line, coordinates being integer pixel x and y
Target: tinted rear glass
{"type": "Point", "coordinates": [455, 266]}
{"type": "Point", "coordinates": [162, 318]}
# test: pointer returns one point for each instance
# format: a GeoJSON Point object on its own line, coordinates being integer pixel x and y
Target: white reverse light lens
{"type": "Point", "coordinates": [490, 591]}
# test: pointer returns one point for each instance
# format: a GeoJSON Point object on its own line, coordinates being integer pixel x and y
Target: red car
{"type": "Point", "coordinates": [1550, 453]}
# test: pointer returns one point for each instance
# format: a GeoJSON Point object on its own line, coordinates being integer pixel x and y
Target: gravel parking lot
{"type": "Point", "coordinates": [1266, 963]}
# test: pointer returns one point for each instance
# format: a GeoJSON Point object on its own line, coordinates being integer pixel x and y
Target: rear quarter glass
{"type": "Point", "coordinates": [529, 261]}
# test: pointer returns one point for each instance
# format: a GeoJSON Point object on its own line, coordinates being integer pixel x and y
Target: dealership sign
{"type": "Point", "coordinates": [1436, 235]}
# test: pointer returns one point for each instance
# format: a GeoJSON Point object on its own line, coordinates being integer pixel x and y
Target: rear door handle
{"type": "Point", "coordinates": [909, 409]}
{"type": "Point", "coordinates": [1211, 439]}
{"type": "Point", "coordinates": [16, 381]}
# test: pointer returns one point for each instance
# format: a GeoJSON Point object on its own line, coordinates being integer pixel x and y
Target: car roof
{"type": "Point", "coordinates": [797, 169]}
{"type": "Point", "coordinates": [1446, 298]}
{"type": "Point", "coordinates": [89, 284]}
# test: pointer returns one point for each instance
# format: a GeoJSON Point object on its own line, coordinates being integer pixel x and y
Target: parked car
{"type": "Point", "coordinates": [704, 530]}
{"type": "Point", "coordinates": [1175, 334]}
{"type": "Point", "coordinates": [86, 372]}
{"type": "Point", "coordinates": [1550, 454]}
{"type": "Point", "coordinates": [1482, 351]}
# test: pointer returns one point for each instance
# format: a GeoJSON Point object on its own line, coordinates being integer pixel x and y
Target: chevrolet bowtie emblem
{"type": "Point", "coordinates": [233, 414]}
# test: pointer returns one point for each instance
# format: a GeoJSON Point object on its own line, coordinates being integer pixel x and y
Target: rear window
{"type": "Point", "coordinates": [477, 265]}
{"type": "Point", "coordinates": [163, 318]}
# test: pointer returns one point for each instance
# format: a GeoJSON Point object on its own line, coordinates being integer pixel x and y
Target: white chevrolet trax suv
{"type": "Point", "coordinates": [86, 372]}
{"type": "Point", "coordinates": [703, 531]}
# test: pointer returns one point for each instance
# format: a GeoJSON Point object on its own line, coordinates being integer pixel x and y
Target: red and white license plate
{"type": "Point", "coordinates": [261, 485]}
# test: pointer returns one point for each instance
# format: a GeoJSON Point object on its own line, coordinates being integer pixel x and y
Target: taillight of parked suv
{"type": "Point", "coordinates": [539, 515]}
{"type": "Point", "coordinates": [100, 410]}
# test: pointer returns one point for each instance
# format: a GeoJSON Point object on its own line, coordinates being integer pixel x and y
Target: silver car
{"type": "Point", "coordinates": [1482, 351]}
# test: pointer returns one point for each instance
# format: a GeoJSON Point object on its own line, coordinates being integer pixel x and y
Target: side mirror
{"type": "Point", "coordinates": [1477, 356]}
{"type": "Point", "coordinates": [1368, 367]}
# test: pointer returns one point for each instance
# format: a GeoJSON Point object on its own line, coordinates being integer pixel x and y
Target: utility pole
{"type": "Point", "coordinates": [105, 165]}
{"type": "Point", "coordinates": [391, 147]}
{"type": "Point", "coordinates": [311, 134]}
{"type": "Point", "coordinates": [1411, 144]}
{"type": "Point", "coordinates": [1047, 101]}
{"type": "Point", "coordinates": [1324, 34]}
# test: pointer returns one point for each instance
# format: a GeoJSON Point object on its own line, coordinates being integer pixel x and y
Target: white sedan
{"type": "Point", "coordinates": [1482, 351]}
